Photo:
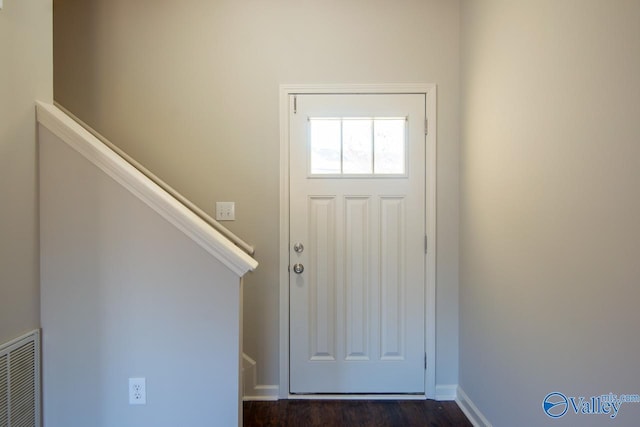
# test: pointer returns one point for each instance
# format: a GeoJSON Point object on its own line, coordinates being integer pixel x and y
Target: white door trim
{"type": "Point", "coordinates": [430, 221]}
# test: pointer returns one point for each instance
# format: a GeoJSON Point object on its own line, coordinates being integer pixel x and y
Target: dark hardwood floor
{"type": "Point", "coordinates": [353, 413]}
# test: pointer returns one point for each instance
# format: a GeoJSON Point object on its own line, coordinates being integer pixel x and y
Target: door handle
{"type": "Point", "coordinates": [298, 268]}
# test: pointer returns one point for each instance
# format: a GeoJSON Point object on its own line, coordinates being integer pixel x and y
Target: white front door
{"type": "Point", "coordinates": [357, 243]}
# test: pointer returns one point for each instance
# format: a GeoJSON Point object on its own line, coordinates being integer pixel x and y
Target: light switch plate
{"type": "Point", "coordinates": [225, 211]}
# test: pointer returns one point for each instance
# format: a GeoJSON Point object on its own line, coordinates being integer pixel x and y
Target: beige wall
{"type": "Point", "coordinates": [25, 75]}
{"type": "Point", "coordinates": [550, 206]}
{"type": "Point", "coordinates": [190, 89]}
{"type": "Point", "coordinates": [127, 294]}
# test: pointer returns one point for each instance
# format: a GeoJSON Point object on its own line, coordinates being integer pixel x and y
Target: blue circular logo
{"type": "Point", "coordinates": [555, 404]}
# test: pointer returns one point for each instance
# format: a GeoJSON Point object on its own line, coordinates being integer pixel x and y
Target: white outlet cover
{"type": "Point", "coordinates": [137, 391]}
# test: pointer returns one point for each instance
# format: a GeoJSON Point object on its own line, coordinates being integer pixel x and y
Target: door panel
{"type": "Point", "coordinates": [357, 267]}
{"type": "Point", "coordinates": [392, 274]}
{"type": "Point", "coordinates": [357, 308]}
{"type": "Point", "coordinates": [322, 278]}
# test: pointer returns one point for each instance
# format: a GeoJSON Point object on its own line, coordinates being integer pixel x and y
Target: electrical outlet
{"type": "Point", "coordinates": [137, 391]}
{"type": "Point", "coordinates": [225, 211]}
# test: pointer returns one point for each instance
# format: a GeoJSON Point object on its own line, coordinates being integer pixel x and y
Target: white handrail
{"type": "Point", "coordinates": [166, 187]}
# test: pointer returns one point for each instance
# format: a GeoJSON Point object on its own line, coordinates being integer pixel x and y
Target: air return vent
{"type": "Point", "coordinates": [20, 382]}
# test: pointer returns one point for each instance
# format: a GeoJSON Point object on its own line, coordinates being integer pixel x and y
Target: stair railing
{"type": "Point", "coordinates": [166, 187]}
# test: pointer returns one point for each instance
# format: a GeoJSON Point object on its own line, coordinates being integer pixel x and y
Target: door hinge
{"type": "Point", "coordinates": [425, 361]}
{"type": "Point", "coordinates": [426, 126]}
{"type": "Point", "coordinates": [295, 104]}
{"type": "Point", "coordinates": [426, 244]}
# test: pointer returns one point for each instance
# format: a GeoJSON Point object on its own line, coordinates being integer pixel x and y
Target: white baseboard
{"type": "Point", "coordinates": [446, 392]}
{"type": "Point", "coordinates": [252, 390]}
{"type": "Point", "coordinates": [263, 393]}
{"type": "Point", "coordinates": [470, 410]}
{"type": "Point", "coordinates": [257, 392]}
{"type": "Point", "coordinates": [356, 397]}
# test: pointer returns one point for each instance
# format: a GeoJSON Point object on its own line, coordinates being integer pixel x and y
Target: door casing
{"type": "Point", "coordinates": [430, 224]}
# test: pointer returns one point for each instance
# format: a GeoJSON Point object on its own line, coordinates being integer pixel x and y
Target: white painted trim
{"type": "Point", "coordinates": [430, 276]}
{"type": "Point", "coordinates": [263, 393]}
{"type": "Point", "coordinates": [357, 397]}
{"type": "Point", "coordinates": [143, 188]}
{"type": "Point", "coordinates": [430, 287]}
{"type": "Point", "coordinates": [471, 410]}
{"type": "Point", "coordinates": [166, 187]}
{"type": "Point", "coordinates": [251, 389]}
{"type": "Point", "coordinates": [391, 88]}
{"type": "Point", "coordinates": [284, 242]}
{"type": "Point", "coordinates": [446, 392]}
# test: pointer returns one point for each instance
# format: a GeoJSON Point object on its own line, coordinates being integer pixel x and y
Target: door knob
{"type": "Point", "coordinates": [298, 268]}
{"type": "Point", "coordinates": [298, 248]}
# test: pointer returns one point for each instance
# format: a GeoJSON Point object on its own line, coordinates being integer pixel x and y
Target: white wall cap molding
{"type": "Point", "coordinates": [143, 188]}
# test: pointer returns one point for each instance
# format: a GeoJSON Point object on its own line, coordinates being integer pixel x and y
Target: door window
{"type": "Point", "coordinates": [360, 146]}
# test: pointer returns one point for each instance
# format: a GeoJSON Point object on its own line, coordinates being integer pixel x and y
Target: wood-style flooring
{"type": "Point", "coordinates": [354, 413]}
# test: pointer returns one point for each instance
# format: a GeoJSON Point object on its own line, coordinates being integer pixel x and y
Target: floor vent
{"type": "Point", "coordinates": [20, 382]}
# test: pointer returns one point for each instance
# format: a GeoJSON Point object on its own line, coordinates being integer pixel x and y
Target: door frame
{"type": "Point", "coordinates": [429, 90]}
